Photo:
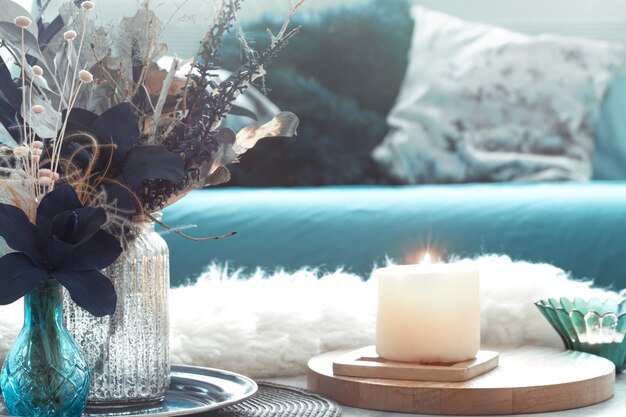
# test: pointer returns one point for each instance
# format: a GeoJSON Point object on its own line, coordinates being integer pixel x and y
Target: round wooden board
{"type": "Point", "coordinates": [529, 379]}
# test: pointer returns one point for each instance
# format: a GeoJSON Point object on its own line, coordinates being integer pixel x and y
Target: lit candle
{"type": "Point", "coordinates": [428, 313]}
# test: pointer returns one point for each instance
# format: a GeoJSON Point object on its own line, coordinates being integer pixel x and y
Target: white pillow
{"type": "Point", "coordinates": [482, 103]}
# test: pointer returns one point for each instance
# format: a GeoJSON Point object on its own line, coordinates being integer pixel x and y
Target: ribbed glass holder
{"type": "Point", "coordinates": [594, 326]}
{"type": "Point", "coordinates": [128, 353]}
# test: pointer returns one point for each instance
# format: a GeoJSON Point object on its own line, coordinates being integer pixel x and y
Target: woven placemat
{"type": "Point", "coordinates": [273, 400]}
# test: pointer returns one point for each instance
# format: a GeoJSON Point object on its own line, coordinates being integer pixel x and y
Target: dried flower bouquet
{"type": "Point", "coordinates": [100, 128]}
{"type": "Point", "coordinates": [105, 120]}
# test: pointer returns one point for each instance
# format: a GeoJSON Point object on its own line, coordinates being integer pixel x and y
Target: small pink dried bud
{"type": "Point", "coordinates": [85, 76]}
{"type": "Point", "coordinates": [36, 159]}
{"type": "Point", "coordinates": [37, 109]}
{"type": "Point", "coordinates": [70, 35]}
{"type": "Point", "coordinates": [46, 173]}
{"type": "Point", "coordinates": [37, 152]}
{"type": "Point", "coordinates": [21, 151]}
{"type": "Point", "coordinates": [88, 5]}
{"type": "Point", "coordinates": [45, 181]}
{"type": "Point", "coordinates": [37, 144]}
{"type": "Point", "coordinates": [37, 70]}
{"type": "Point", "coordinates": [22, 21]}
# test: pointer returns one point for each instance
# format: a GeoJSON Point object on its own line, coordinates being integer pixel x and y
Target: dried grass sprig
{"type": "Point", "coordinates": [228, 91]}
{"type": "Point", "coordinates": [179, 120]}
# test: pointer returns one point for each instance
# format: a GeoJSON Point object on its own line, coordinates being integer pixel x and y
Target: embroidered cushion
{"type": "Point", "coordinates": [483, 103]}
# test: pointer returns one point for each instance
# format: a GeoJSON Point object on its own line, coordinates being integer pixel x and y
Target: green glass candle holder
{"type": "Point", "coordinates": [593, 326]}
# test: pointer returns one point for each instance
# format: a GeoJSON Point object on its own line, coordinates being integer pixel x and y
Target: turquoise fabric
{"type": "Point", "coordinates": [578, 227]}
{"type": "Point", "coordinates": [609, 160]}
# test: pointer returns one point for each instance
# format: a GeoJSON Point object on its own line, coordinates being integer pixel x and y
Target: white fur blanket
{"type": "Point", "coordinates": [270, 325]}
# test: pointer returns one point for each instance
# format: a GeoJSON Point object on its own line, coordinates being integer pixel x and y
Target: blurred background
{"type": "Point", "coordinates": [343, 73]}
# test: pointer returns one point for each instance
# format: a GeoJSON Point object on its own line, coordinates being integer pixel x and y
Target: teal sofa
{"type": "Point", "coordinates": [576, 226]}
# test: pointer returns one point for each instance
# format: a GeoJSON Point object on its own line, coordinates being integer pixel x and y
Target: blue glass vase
{"type": "Point", "coordinates": [44, 373]}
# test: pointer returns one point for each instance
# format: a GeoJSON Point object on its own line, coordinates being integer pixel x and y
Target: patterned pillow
{"type": "Point", "coordinates": [482, 103]}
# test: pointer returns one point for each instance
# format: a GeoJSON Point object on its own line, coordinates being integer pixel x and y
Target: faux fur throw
{"type": "Point", "coordinates": [270, 325]}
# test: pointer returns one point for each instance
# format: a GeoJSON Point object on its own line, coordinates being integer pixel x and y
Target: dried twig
{"type": "Point", "coordinates": [179, 233]}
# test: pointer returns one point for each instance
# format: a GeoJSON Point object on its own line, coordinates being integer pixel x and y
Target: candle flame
{"type": "Point", "coordinates": [426, 259]}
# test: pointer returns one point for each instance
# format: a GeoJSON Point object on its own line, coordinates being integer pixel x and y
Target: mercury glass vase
{"type": "Point", "coordinates": [128, 353]}
{"type": "Point", "coordinates": [44, 373]}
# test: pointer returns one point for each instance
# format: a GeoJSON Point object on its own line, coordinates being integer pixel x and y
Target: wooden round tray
{"type": "Point", "coordinates": [529, 379]}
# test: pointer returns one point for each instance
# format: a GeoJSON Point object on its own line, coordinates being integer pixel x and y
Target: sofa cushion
{"type": "Point", "coordinates": [609, 158]}
{"type": "Point", "coordinates": [573, 226]}
{"type": "Point", "coordinates": [482, 103]}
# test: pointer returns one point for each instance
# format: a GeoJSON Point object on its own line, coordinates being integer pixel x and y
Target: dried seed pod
{"type": "Point", "coordinates": [22, 21]}
{"type": "Point", "coordinates": [70, 35]}
{"type": "Point", "coordinates": [37, 70]}
{"type": "Point", "coordinates": [85, 76]}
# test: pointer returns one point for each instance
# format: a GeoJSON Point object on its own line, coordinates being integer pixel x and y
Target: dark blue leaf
{"type": "Point", "coordinates": [242, 111]}
{"type": "Point", "coordinates": [151, 162]}
{"type": "Point", "coordinates": [9, 119]}
{"type": "Point", "coordinates": [8, 88]}
{"type": "Point", "coordinates": [79, 119]}
{"type": "Point", "coordinates": [120, 198]}
{"type": "Point", "coordinates": [19, 232]}
{"type": "Point", "coordinates": [46, 34]}
{"type": "Point", "coordinates": [97, 253]}
{"type": "Point", "coordinates": [77, 146]}
{"type": "Point", "coordinates": [76, 153]}
{"type": "Point", "coordinates": [18, 277]}
{"type": "Point", "coordinates": [118, 126]}
{"type": "Point", "coordinates": [90, 290]}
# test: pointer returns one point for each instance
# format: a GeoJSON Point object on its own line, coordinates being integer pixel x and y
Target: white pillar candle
{"type": "Point", "coordinates": [428, 313]}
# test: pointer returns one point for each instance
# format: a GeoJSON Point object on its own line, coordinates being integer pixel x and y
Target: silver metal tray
{"type": "Point", "coordinates": [192, 390]}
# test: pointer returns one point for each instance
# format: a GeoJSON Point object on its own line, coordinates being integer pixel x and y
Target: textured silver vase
{"type": "Point", "coordinates": [128, 353]}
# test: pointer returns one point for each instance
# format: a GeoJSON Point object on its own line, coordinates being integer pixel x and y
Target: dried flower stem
{"type": "Point", "coordinates": [57, 141]}
{"type": "Point", "coordinates": [80, 48]}
{"type": "Point", "coordinates": [28, 161]}
{"type": "Point", "coordinates": [285, 26]}
{"type": "Point", "coordinates": [57, 156]}
{"type": "Point", "coordinates": [161, 102]}
{"type": "Point", "coordinates": [57, 147]}
{"type": "Point", "coordinates": [23, 62]}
